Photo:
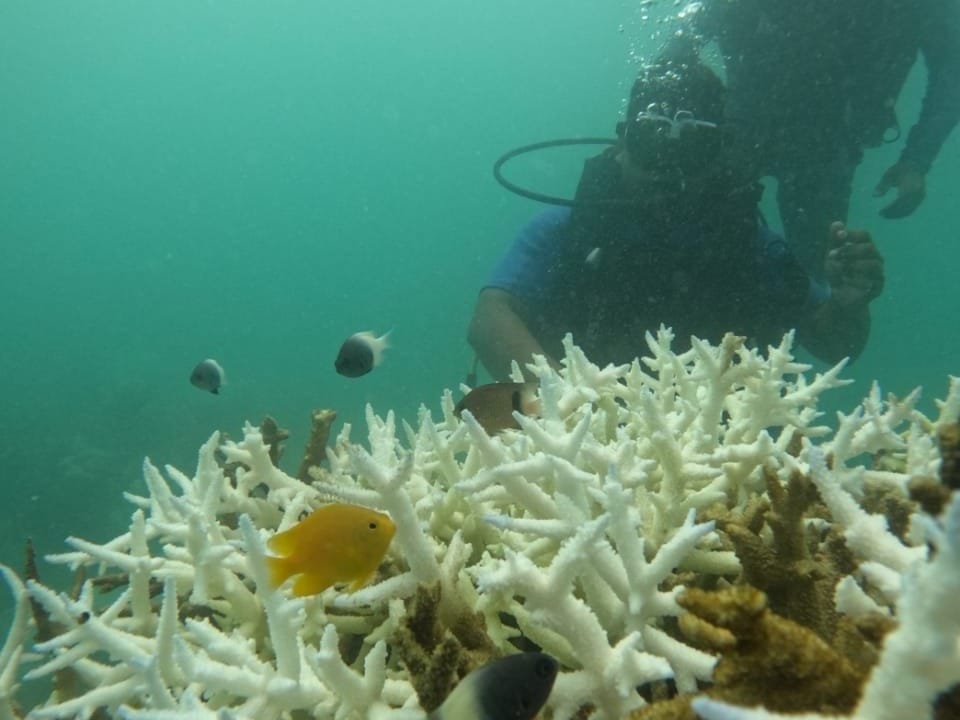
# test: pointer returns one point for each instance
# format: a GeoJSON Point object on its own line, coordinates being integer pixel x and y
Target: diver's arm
{"type": "Point", "coordinates": [940, 113]}
{"type": "Point", "coordinates": [834, 332]}
{"type": "Point", "coordinates": [499, 335]}
{"type": "Point", "coordinates": [839, 327]}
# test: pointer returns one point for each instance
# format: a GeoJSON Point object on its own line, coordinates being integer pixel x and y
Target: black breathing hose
{"type": "Point", "coordinates": [533, 147]}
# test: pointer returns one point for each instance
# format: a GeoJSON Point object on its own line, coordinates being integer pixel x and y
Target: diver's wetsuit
{"type": "Point", "coordinates": [702, 272]}
{"type": "Point", "coordinates": [810, 84]}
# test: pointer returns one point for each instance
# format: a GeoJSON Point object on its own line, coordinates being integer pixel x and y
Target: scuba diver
{"type": "Point", "coordinates": [662, 231]}
{"type": "Point", "coordinates": [812, 84]}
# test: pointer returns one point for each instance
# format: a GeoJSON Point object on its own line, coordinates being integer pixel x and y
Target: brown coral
{"type": "Point", "coordinates": [797, 572]}
{"type": "Point", "coordinates": [948, 437]}
{"type": "Point", "coordinates": [316, 450]}
{"type": "Point", "coordinates": [273, 436]}
{"type": "Point", "coordinates": [439, 651]}
{"type": "Point", "coordinates": [890, 502]}
{"type": "Point", "coordinates": [767, 659]}
{"type": "Point", "coordinates": [929, 493]}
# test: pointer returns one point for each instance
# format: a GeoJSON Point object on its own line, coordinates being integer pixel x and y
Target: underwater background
{"type": "Point", "coordinates": [255, 181]}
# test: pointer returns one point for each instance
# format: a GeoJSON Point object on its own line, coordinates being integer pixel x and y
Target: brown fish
{"type": "Point", "coordinates": [493, 404]}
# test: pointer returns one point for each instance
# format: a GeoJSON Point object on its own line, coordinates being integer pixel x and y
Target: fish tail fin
{"type": "Point", "coordinates": [280, 568]}
{"type": "Point", "coordinates": [379, 345]}
{"type": "Point", "coordinates": [284, 543]}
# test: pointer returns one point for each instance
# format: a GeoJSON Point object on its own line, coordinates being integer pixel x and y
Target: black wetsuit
{"type": "Point", "coordinates": [811, 83]}
{"type": "Point", "coordinates": [700, 263]}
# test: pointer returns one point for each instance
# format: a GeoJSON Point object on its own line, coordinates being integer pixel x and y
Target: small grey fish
{"type": "Point", "coordinates": [361, 353]}
{"type": "Point", "coordinates": [208, 375]}
{"type": "Point", "coordinates": [493, 404]}
{"type": "Point", "coordinates": [514, 687]}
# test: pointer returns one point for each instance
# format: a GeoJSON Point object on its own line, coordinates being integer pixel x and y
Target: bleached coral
{"type": "Point", "coordinates": [13, 647]}
{"type": "Point", "coordinates": [578, 531]}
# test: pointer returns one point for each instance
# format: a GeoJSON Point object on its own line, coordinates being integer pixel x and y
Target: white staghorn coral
{"type": "Point", "coordinates": [13, 646]}
{"type": "Point", "coordinates": [578, 531]}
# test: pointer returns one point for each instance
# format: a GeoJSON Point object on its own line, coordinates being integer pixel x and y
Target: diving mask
{"type": "Point", "coordinates": [681, 144]}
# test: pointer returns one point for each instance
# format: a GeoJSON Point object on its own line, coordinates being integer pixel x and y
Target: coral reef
{"type": "Point", "coordinates": [591, 532]}
{"type": "Point", "coordinates": [766, 658]}
{"type": "Point", "coordinates": [948, 436]}
{"type": "Point", "coordinates": [316, 449]}
{"type": "Point", "coordinates": [783, 556]}
{"type": "Point", "coordinates": [921, 657]}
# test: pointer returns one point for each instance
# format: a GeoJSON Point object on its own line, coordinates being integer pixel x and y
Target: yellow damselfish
{"type": "Point", "coordinates": [335, 543]}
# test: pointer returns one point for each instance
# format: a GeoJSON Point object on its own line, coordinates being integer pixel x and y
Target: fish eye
{"type": "Point", "coordinates": [372, 525]}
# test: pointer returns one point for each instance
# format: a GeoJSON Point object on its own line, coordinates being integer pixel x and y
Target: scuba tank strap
{"type": "Point", "coordinates": [593, 211]}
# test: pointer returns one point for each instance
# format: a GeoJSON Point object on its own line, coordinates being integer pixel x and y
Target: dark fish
{"type": "Point", "coordinates": [514, 687]}
{"type": "Point", "coordinates": [208, 375]}
{"type": "Point", "coordinates": [361, 353]}
{"type": "Point", "coordinates": [493, 405]}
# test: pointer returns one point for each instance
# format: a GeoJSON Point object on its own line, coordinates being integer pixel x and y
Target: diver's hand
{"type": "Point", "coordinates": [854, 266]}
{"type": "Point", "coordinates": [911, 189]}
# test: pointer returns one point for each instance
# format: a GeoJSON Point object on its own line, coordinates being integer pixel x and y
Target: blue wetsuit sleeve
{"type": "Point", "coordinates": [522, 269]}
{"type": "Point", "coordinates": [940, 46]}
{"type": "Point", "coordinates": [819, 292]}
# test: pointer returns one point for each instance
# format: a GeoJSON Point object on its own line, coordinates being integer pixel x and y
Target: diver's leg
{"type": "Point", "coordinates": [812, 193]}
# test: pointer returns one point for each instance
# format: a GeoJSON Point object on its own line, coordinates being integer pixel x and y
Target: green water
{"type": "Point", "coordinates": [256, 181]}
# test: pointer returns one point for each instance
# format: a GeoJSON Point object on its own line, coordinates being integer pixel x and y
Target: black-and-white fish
{"type": "Point", "coordinates": [361, 353]}
{"type": "Point", "coordinates": [514, 687]}
{"type": "Point", "coordinates": [208, 375]}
